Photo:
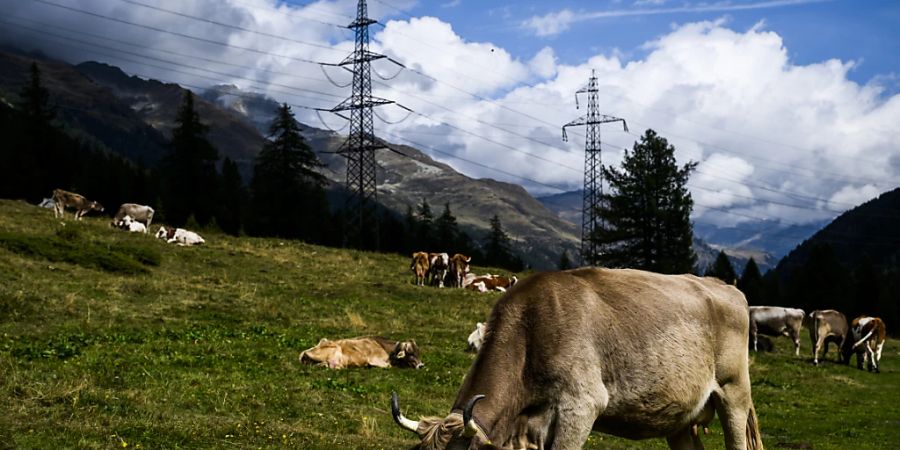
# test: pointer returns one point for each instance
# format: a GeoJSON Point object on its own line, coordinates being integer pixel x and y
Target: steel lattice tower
{"type": "Point", "coordinates": [593, 179]}
{"type": "Point", "coordinates": [360, 217]}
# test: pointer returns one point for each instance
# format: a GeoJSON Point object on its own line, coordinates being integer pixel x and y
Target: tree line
{"type": "Point", "coordinates": [193, 186]}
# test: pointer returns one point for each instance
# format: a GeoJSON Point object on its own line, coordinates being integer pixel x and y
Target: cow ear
{"type": "Point", "coordinates": [401, 354]}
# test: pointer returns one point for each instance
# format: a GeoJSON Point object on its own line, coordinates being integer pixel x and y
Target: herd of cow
{"type": "Point", "coordinates": [130, 217]}
{"type": "Point", "coordinates": [439, 270]}
{"type": "Point", "coordinates": [864, 336]}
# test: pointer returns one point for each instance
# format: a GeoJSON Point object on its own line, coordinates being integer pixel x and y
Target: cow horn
{"type": "Point", "coordinates": [472, 428]}
{"type": "Point", "coordinates": [404, 423]}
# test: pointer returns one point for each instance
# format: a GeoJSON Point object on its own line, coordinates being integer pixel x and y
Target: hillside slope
{"type": "Point", "coordinates": [202, 351]}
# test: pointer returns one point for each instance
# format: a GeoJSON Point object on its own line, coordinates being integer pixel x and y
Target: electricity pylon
{"type": "Point", "coordinates": [360, 216]}
{"type": "Point", "coordinates": [593, 177]}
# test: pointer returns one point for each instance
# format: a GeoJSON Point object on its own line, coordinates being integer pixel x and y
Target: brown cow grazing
{"type": "Point", "coordinates": [420, 266]}
{"type": "Point", "coordinates": [826, 327]}
{"type": "Point", "coordinates": [372, 351]}
{"type": "Point", "coordinates": [459, 268]}
{"type": "Point", "coordinates": [776, 321]}
{"type": "Point", "coordinates": [869, 334]}
{"type": "Point", "coordinates": [626, 352]}
{"type": "Point", "coordinates": [65, 199]}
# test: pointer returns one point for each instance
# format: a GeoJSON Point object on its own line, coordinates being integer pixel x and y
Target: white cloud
{"type": "Point", "coordinates": [775, 139]}
{"type": "Point", "coordinates": [550, 24]}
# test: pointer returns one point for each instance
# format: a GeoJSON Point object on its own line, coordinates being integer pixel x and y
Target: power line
{"type": "Point", "coordinates": [234, 27]}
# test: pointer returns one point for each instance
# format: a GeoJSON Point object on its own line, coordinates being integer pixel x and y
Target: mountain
{"type": "Point", "coordinates": [763, 241]}
{"type": "Point", "coordinates": [869, 231]}
{"type": "Point", "coordinates": [134, 117]}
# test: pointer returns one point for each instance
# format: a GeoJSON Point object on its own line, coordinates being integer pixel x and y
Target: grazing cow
{"type": "Point", "coordinates": [420, 266]}
{"type": "Point", "coordinates": [776, 321]}
{"type": "Point", "coordinates": [179, 236]}
{"type": "Point", "coordinates": [459, 268]}
{"type": "Point", "coordinates": [47, 203]}
{"type": "Point", "coordinates": [127, 223]}
{"type": "Point", "coordinates": [438, 263]}
{"type": "Point", "coordinates": [476, 338]}
{"type": "Point", "coordinates": [372, 351]}
{"type": "Point", "coordinates": [138, 213]}
{"type": "Point", "coordinates": [65, 199]}
{"type": "Point", "coordinates": [626, 352]}
{"type": "Point", "coordinates": [826, 327]}
{"type": "Point", "coordinates": [869, 334]}
{"type": "Point", "coordinates": [486, 283]}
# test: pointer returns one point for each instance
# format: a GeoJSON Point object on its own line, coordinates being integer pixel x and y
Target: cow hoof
{"type": "Point", "coordinates": [815, 363]}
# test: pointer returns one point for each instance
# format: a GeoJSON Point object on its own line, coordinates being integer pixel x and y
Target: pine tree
{"type": "Point", "coordinates": [565, 262]}
{"type": "Point", "coordinates": [288, 195]}
{"type": "Point", "coordinates": [722, 269]}
{"type": "Point", "coordinates": [646, 214]}
{"type": "Point", "coordinates": [424, 226]}
{"type": "Point", "coordinates": [751, 284]}
{"type": "Point", "coordinates": [498, 248]}
{"type": "Point", "coordinates": [234, 198]}
{"type": "Point", "coordinates": [190, 180]}
{"type": "Point", "coordinates": [822, 283]}
{"type": "Point", "coordinates": [447, 231]}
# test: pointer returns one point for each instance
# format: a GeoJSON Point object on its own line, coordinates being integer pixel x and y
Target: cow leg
{"type": "Point", "coordinates": [878, 355]}
{"type": "Point", "coordinates": [686, 439]}
{"type": "Point", "coordinates": [795, 335]}
{"type": "Point", "coordinates": [870, 357]}
{"type": "Point", "coordinates": [733, 406]}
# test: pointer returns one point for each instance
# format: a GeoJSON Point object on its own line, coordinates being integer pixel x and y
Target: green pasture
{"type": "Point", "coordinates": [117, 340]}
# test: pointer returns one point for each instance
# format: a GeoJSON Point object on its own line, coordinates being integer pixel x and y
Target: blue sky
{"type": "Point", "coordinates": [865, 31]}
{"type": "Point", "coordinates": [790, 107]}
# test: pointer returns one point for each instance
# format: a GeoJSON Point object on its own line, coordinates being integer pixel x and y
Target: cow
{"type": "Point", "coordinates": [776, 321]}
{"type": "Point", "coordinates": [179, 236]}
{"type": "Point", "coordinates": [621, 351]}
{"type": "Point", "coordinates": [138, 213]}
{"type": "Point", "coordinates": [128, 223]}
{"type": "Point", "coordinates": [47, 203]}
{"type": "Point", "coordinates": [476, 337]}
{"type": "Point", "coordinates": [420, 266]}
{"type": "Point", "coordinates": [489, 282]}
{"type": "Point", "coordinates": [826, 327]}
{"type": "Point", "coordinates": [65, 199]}
{"type": "Point", "coordinates": [370, 351]}
{"type": "Point", "coordinates": [459, 268]}
{"type": "Point", "coordinates": [438, 263]}
{"type": "Point", "coordinates": [869, 334]}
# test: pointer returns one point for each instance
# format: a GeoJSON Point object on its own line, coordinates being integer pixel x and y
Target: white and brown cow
{"type": "Point", "coordinates": [133, 226]}
{"type": "Point", "coordinates": [869, 334]}
{"type": "Point", "coordinates": [776, 321]}
{"type": "Point", "coordinates": [369, 351]}
{"type": "Point", "coordinates": [419, 266]}
{"type": "Point", "coordinates": [826, 327]}
{"type": "Point", "coordinates": [138, 213]}
{"type": "Point", "coordinates": [485, 283]}
{"type": "Point", "coordinates": [65, 199]}
{"type": "Point", "coordinates": [459, 268]}
{"type": "Point", "coordinates": [179, 236]}
{"type": "Point", "coordinates": [476, 337]}
{"type": "Point", "coordinates": [438, 264]}
{"type": "Point", "coordinates": [626, 352]}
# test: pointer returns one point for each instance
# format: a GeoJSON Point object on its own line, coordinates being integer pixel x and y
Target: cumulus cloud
{"type": "Point", "coordinates": [774, 139]}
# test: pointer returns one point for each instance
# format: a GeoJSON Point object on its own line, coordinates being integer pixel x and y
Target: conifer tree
{"type": "Point", "coordinates": [447, 230]}
{"type": "Point", "coordinates": [722, 269]}
{"type": "Point", "coordinates": [234, 198]}
{"type": "Point", "coordinates": [646, 213]}
{"type": "Point", "coordinates": [751, 284]}
{"type": "Point", "coordinates": [190, 180]}
{"type": "Point", "coordinates": [425, 226]}
{"type": "Point", "coordinates": [565, 262]}
{"type": "Point", "coordinates": [288, 195]}
{"type": "Point", "coordinates": [498, 248]}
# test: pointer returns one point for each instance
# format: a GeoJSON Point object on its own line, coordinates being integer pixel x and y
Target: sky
{"type": "Point", "coordinates": [789, 107]}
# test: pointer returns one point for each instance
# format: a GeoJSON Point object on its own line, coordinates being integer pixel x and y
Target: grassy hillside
{"type": "Point", "coordinates": [122, 340]}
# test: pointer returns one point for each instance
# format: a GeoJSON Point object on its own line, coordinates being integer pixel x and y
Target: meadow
{"type": "Point", "coordinates": [117, 340]}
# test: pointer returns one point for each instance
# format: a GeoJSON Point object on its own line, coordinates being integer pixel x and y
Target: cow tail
{"type": "Point", "coordinates": [754, 437]}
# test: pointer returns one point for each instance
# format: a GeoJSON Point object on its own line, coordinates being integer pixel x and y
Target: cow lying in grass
{"type": "Point", "coordinates": [128, 223]}
{"type": "Point", "coordinates": [179, 236]}
{"type": "Point", "coordinates": [476, 337]}
{"type": "Point", "coordinates": [370, 351]}
{"type": "Point", "coordinates": [485, 283]}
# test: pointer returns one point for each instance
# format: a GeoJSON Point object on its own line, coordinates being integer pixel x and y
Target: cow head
{"type": "Point", "coordinates": [406, 354]}
{"type": "Point", "coordinates": [161, 233]}
{"type": "Point", "coordinates": [454, 432]}
{"type": "Point", "coordinates": [96, 206]}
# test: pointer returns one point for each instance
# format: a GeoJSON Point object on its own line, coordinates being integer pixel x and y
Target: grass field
{"type": "Point", "coordinates": [123, 341]}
